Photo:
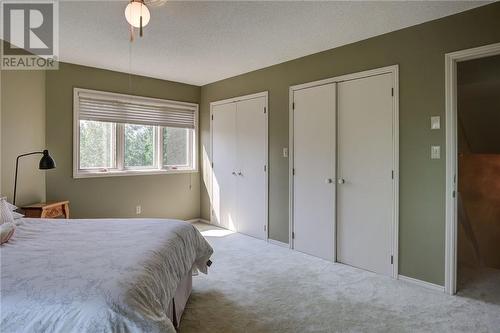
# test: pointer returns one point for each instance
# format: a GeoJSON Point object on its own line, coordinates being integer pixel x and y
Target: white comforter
{"type": "Point", "coordinates": [105, 275]}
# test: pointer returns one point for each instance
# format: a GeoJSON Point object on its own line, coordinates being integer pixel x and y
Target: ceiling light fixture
{"type": "Point", "coordinates": [137, 15]}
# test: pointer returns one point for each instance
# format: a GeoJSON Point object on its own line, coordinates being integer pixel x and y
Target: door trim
{"type": "Point", "coordinates": [239, 98]}
{"type": "Point", "coordinates": [264, 94]}
{"type": "Point", "coordinates": [451, 60]}
{"type": "Point", "coordinates": [394, 70]}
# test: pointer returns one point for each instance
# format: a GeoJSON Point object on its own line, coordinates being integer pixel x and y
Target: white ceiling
{"type": "Point", "coordinates": [200, 42]}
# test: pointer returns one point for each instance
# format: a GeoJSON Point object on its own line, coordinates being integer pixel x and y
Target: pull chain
{"type": "Point", "coordinates": [130, 66]}
{"type": "Point", "coordinates": [140, 20]}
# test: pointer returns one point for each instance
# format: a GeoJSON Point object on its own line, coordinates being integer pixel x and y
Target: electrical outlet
{"type": "Point", "coordinates": [138, 209]}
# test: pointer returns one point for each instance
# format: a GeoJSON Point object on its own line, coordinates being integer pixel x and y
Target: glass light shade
{"type": "Point", "coordinates": [133, 14]}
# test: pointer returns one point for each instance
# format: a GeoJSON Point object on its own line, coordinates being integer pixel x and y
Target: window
{"type": "Point", "coordinates": [139, 146]}
{"type": "Point", "coordinates": [118, 134]}
{"type": "Point", "coordinates": [97, 145]}
{"type": "Point", "coordinates": [176, 147]}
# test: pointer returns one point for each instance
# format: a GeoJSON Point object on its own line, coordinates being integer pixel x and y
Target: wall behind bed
{"type": "Point", "coordinates": [22, 119]}
{"type": "Point", "coordinates": [419, 51]}
{"type": "Point", "coordinates": [167, 196]}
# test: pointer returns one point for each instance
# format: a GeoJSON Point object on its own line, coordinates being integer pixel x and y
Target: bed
{"type": "Point", "coordinates": [105, 275]}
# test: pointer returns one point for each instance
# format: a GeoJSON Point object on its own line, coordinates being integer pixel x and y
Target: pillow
{"type": "Point", "coordinates": [11, 207]}
{"type": "Point", "coordinates": [6, 232]}
{"type": "Point", "coordinates": [17, 215]}
{"type": "Point", "coordinates": [5, 213]}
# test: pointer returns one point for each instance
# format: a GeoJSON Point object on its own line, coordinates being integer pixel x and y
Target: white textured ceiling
{"type": "Point", "coordinates": [200, 42]}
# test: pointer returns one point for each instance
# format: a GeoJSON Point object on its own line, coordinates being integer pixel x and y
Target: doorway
{"type": "Point", "coordinates": [478, 195]}
{"type": "Point", "coordinates": [473, 173]}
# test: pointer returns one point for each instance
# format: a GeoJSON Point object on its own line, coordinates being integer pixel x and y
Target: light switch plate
{"type": "Point", "coordinates": [285, 152]}
{"type": "Point", "coordinates": [435, 152]}
{"type": "Point", "coordinates": [435, 122]}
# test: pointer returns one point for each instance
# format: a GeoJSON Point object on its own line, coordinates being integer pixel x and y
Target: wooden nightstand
{"type": "Point", "coordinates": [47, 210]}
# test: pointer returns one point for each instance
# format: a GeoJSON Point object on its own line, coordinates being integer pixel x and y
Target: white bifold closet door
{"type": "Point", "coordinates": [251, 161]}
{"type": "Point", "coordinates": [365, 162]}
{"type": "Point", "coordinates": [239, 154]}
{"type": "Point", "coordinates": [314, 170]}
{"type": "Point", "coordinates": [224, 165]}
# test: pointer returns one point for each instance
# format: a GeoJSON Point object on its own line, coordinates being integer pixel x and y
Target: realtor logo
{"type": "Point", "coordinates": [29, 34]}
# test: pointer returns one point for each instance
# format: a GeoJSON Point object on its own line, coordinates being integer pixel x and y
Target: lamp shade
{"type": "Point", "coordinates": [134, 11]}
{"type": "Point", "coordinates": [46, 162]}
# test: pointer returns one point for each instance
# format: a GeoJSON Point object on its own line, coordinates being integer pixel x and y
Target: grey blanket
{"type": "Point", "coordinates": [105, 275]}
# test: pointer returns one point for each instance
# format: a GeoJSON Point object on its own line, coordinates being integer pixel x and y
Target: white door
{"type": "Point", "coordinates": [314, 169]}
{"type": "Point", "coordinates": [251, 128]}
{"type": "Point", "coordinates": [365, 160]}
{"type": "Point", "coordinates": [224, 165]}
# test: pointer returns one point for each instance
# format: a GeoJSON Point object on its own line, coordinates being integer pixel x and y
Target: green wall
{"type": "Point", "coordinates": [419, 51]}
{"type": "Point", "coordinates": [170, 196]}
{"type": "Point", "coordinates": [22, 118]}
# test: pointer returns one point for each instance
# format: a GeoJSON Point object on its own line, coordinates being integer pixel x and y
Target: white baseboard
{"type": "Point", "coordinates": [421, 283]}
{"type": "Point", "coordinates": [275, 242]}
{"type": "Point", "coordinates": [272, 241]}
{"type": "Point", "coordinates": [198, 220]}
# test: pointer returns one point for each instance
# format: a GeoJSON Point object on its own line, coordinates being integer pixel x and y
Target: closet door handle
{"type": "Point", "coordinates": [239, 173]}
{"type": "Point", "coordinates": [234, 173]}
{"type": "Point", "coordinates": [341, 181]}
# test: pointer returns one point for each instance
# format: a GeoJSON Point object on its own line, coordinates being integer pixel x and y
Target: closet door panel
{"type": "Point", "coordinates": [365, 147]}
{"type": "Point", "coordinates": [314, 165]}
{"type": "Point", "coordinates": [251, 160]}
{"type": "Point", "coordinates": [224, 165]}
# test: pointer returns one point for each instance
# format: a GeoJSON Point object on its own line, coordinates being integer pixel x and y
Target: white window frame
{"type": "Point", "coordinates": [120, 169]}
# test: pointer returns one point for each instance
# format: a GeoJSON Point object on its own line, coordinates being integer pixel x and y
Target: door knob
{"type": "Point", "coordinates": [328, 181]}
{"type": "Point", "coordinates": [234, 173]}
{"type": "Point", "coordinates": [240, 174]}
{"type": "Point", "coordinates": [341, 181]}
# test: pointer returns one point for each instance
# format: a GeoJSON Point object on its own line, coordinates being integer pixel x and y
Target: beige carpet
{"type": "Point", "coordinates": [254, 286]}
{"type": "Point", "coordinates": [480, 283]}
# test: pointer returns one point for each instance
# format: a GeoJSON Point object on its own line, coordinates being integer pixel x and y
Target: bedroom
{"type": "Point", "coordinates": [207, 122]}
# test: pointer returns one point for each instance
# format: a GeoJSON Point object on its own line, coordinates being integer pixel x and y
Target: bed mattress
{"type": "Point", "coordinates": [105, 275]}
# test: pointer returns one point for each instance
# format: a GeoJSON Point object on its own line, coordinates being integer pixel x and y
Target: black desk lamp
{"type": "Point", "coordinates": [46, 162]}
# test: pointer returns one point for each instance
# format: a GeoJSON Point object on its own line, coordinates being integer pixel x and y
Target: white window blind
{"type": "Point", "coordinates": [128, 109]}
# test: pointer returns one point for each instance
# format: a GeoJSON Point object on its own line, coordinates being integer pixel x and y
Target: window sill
{"type": "Point", "coordinates": [91, 174]}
